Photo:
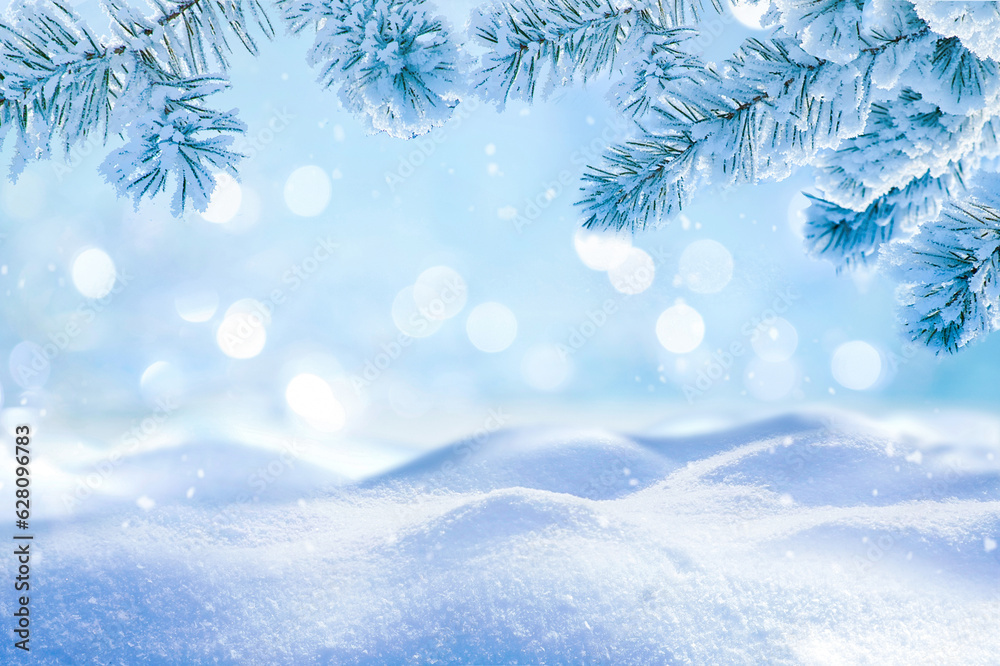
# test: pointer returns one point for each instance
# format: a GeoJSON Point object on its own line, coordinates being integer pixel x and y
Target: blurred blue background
{"type": "Point", "coordinates": [458, 198]}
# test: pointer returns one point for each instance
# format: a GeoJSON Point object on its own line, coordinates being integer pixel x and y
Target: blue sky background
{"type": "Point", "coordinates": [451, 211]}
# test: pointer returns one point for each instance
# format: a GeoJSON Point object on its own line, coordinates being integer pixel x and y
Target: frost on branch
{"type": "Point", "coordinates": [537, 46]}
{"type": "Point", "coordinates": [975, 23]}
{"type": "Point", "coordinates": [51, 87]}
{"type": "Point", "coordinates": [848, 237]}
{"type": "Point", "coordinates": [773, 107]}
{"type": "Point", "coordinates": [395, 63]}
{"type": "Point", "coordinates": [896, 104]}
{"type": "Point", "coordinates": [61, 84]}
{"type": "Point", "coordinates": [179, 141]}
{"type": "Point", "coordinates": [951, 278]}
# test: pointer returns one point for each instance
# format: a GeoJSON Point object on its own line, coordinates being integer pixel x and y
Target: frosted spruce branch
{"type": "Point", "coordinates": [951, 289]}
{"type": "Point", "coordinates": [895, 103]}
{"type": "Point", "coordinates": [537, 46]}
{"type": "Point", "coordinates": [61, 82]}
{"type": "Point", "coordinates": [395, 62]}
{"type": "Point", "coordinates": [848, 237]}
{"type": "Point", "coordinates": [772, 107]}
{"type": "Point", "coordinates": [150, 81]}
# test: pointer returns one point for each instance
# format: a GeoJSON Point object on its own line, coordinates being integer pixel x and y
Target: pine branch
{"type": "Point", "coordinates": [952, 291]}
{"type": "Point", "coordinates": [907, 138]}
{"type": "Point", "coordinates": [771, 108]}
{"type": "Point", "coordinates": [849, 238]}
{"type": "Point", "coordinates": [765, 120]}
{"type": "Point", "coordinates": [188, 39]}
{"type": "Point", "coordinates": [536, 46]}
{"type": "Point", "coordinates": [641, 182]}
{"type": "Point", "coordinates": [966, 82]}
{"type": "Point", "coordinates": [181, 140]}
{"type": "Point", "coordinates": [395, 63]}
{"type": "Point", "coordinates": [48, 84]}
{"type": "Point", "coordinates": [667, 79]}
{"type": "Point", "coordinates": [58, 80]}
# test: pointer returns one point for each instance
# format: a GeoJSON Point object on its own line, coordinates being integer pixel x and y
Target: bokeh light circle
{"type": "Point", "coordinates": [545, 367]}
{"type": "Point", "coordinates": [680, 328]}
{"type": "Point", "coordinates": [440, 293]}
{"type": "Point", "coordinates": [307, 191]}
{"type": "Point", "coordinates": [226, 199]}
{"type": "Point", "coordinates": [776, 341]}
{"type": "Point", "coordinates": [856, 365]}
{"type": "Point", "coordinates": [93, 273]}
{"type": "Point", "coordinates": [706, 266]}
{"type": "Point", "coordinates": [311, 397]}
{"type": "Point", "coordinates": [491, 327]}
{"type": "Point", "coordinates": [601, 251]}
{"type": "Point", "coordinates": [635, 274]}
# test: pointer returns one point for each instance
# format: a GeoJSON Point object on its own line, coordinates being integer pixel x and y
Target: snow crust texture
{"type": "Point", "coordinates": [799, 540]}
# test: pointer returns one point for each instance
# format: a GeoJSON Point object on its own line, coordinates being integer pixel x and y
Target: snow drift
{"type": "Point", "coordinates": [799, 540]}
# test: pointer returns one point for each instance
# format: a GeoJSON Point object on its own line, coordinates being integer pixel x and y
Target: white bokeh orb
{"type": "Point", "coordinates": [601, 251]}
{"type": "Point", "coordinates": [440, 293]}
{"type": "Point", "coordinates": [706, 266]}
{"type": "Point", "coordinates": [776, 341]}
{"type": "Point", "coordinates": [680, 329]}
{"type": "Point", "coordinates": [856, 365]}
{"type": "Point", "coordinates": [195, 304]}
{"type": "Point", "coordinates": [226, 199]}
{"type": "Point", "coordinates": [93, 273]}
{"type": "Point", "coordinates": [311, 397]}
{"type": "Point", "coordinates": [242, 333]}
{"type": "Point", "coordinates": [749, 13]}
{"type": "Point", "coordinates": [545, 368]}
{"type": "Point", "coordinates": [767, 380]}
{"type": "Point", "coordinates": [635, 274]}
{"type": "Point", "coordinates": [307, 191]}
{"type": "Point", "coordinates": [491, 327]}
{"type": "Point", "coordinates": [408, 317]}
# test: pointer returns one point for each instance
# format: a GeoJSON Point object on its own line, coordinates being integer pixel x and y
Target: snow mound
{"type": "Point", "coordinates": [591, 464]}
{"type": "Point", "coordinates": [211, 473]}
{"type": "Point", "coordinates": [758, 544]}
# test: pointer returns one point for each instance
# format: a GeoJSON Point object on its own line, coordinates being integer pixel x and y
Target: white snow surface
{"type": "Point", "coordinates": [803, 539]}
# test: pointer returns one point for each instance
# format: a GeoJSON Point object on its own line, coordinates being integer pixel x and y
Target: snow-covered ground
{"type": "Point", "coordinates": [811, 538]}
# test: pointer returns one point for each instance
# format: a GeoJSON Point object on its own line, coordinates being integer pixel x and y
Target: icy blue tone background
{"type": "Point", "coordinates": [184, 512]}
{"type": "Point", "coordinates": [450, 211]}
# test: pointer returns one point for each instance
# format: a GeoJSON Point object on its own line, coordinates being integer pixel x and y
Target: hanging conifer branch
{"type": "Point", "coordinates": [951, 289]}
{"type": "Point", "coordinates": [395, 62]}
